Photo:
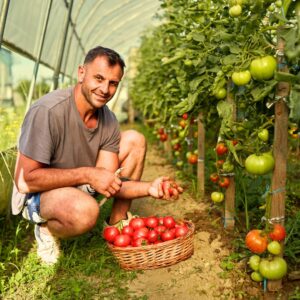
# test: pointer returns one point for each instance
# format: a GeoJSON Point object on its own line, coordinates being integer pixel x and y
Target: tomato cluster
{"type": "Point", "coordinates": [272, 267]}
{"type": "Point", "coordinates": [142, 231]}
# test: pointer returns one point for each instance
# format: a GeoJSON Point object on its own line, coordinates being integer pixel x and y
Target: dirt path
{"type": "Point", "coordinates": [199, 277]}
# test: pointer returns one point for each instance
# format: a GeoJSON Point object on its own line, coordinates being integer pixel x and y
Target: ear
{"type": "Point", "coordinates": [81, 73]}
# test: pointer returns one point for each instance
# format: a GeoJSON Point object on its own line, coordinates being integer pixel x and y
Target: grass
{"type": "Point", "coordinates": [86, 270]}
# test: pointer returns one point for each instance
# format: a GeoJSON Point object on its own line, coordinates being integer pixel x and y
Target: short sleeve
{"type": "Point", "coordinates": [112, 134]}
{"type": "Point", "coordinates": [36, 139]}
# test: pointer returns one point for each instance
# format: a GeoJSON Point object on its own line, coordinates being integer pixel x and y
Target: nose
{"type": "Point", "coordinates": [104, 87]}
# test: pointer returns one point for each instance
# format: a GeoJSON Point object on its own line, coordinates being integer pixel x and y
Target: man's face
{"type": "Point", "coordinates": [99, 81]}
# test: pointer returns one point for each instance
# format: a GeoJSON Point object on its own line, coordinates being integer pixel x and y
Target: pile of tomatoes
{"type": "Point", "coordinates": [142, 231]}
{"type": "Point", "coordinates": [270, 265]}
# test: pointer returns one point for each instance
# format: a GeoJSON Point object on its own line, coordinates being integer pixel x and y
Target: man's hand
{"type": "Point", "coordinates": [164, 188]}
{"type": "Point", "coordinates": [105, 182]}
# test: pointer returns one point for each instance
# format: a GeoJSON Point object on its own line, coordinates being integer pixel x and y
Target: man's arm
{"type": "Point", "coordinates": [32, 176]}
{"type": "Point", "coordinates": [137, 189]}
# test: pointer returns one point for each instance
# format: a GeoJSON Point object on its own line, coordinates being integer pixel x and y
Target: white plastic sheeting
{"type": "Point", "coordinates": [116, 24]}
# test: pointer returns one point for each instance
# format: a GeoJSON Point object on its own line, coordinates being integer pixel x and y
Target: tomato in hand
{"type": "Point", "coordinates": [110, 233]}
{"type": "Point", "coordinates": [256, 241]}
{"type": "Point", "coordinates": [278, 233]}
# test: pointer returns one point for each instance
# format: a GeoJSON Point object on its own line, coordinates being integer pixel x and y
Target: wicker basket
{"type": "Point", "coordinates": [155, 256]}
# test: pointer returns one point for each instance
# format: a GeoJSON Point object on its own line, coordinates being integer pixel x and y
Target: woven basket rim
{"type": "Point", "coordinates": [155, 246]}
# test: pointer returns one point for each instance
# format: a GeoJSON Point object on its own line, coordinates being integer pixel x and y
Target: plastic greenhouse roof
{"type": "Point", "coordinates": [116, 24]}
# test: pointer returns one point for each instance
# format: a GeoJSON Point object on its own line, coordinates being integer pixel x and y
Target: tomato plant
{"type": "Point", "coordinates": [256, 241]}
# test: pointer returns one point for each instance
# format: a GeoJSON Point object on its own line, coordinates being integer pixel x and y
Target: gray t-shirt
{"type": "Point", "coordinates": [54, 134]}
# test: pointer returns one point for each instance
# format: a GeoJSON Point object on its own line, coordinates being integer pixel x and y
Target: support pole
{"type": "Point", "coordinates": [280, 150]}
{"type": "Point", "coordinates": [38, 59]}
{"type": "Point", "coordinates": [230, 191]}
{"type": "Point", "coordinates": [62, 48]}
{"type": "Point", "coordinates": [201, 156]}
{"type": "Point", "coordinates": [3, 16]}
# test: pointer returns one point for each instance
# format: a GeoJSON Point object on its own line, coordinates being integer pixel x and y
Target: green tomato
{"type": "Point", "coordinates": [256, 276]}
{"type": "Point", "coordinates": [235, 11]}
{"type": "Point", "coordinates": [235, 2]}
{"type": "Point", "coordinates": [263, 135]}
{"type": "Point", "coordinates": [274, 247]}
{"type": "Point", "coordinates": [259, 164]}
{"type": "Point", "coordinates": [176, 153]}
{"type": "Point", "coordinates": [263, 68]}
{"type": "Point", "coordinates": [241, 78]}
{"type": "Point", "coordinates": [221, 93]}
{"type": "Point", "coordinates": [278, 3]}
{"type": "Point", "coordinates": [217, 197]}
{"type": "Point", "coordinates": [179, 163]}
{"type": "Point", "coordinates": [253, 262]}
{"type": "Point", "coordinates": [228, 166]}
{"type": "Point", "coordinates": [273, 269]}
{"type": "Point", "coordinates": [271, 8]}
{"type": "Point", "coordinates": [188, 63]}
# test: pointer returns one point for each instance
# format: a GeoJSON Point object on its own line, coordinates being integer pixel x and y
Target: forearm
{"type": "Point", "coordinates": [44, 179]}
{"type": "Point", "coordinates": [134, 189]}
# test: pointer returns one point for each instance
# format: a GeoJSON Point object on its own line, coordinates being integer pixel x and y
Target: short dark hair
{"type": "Point", "coordinates": [112, 56]}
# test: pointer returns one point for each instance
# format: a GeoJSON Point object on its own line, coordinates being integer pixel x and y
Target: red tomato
{"type": "Point", "coordinates": [163, 137]}
{"type": "Point", "coordinates": [224, 182]}
{"type": "Point", "coordinates": [181, 231]}
{"type": "Point", "coordinates": [219, 163]}
{"type": "Point", "coordinates": [177, 147]}
{"type": "Point", "coordinates": [151, 222]}
{"type": "Point", "coordinates": [137, 223]}
{"type": "Point", "coordinates": [160, 220]}
{"type": "Point", "coordinates": [221, 149]}
{"type": "Point", "coordinates": [167, 235]}
{"type": "Point", "coordinates": [160, 228]}
{"type": "Point", "coordinates": [185, 116]}
{"type": "Point", "coordinates": [152, 236]}
{"type": "Point", "coordinates": [169, 222]}
{"type": "Point", "coordinates": [256, 241]}
{"type": "Point", "coordinates": [214, 177]}
{"type": "Point", "coordinates": [139, 242]}
{"type": "Point", "coordinates": [193, 159]}
{"type": "Point", "coordinates": [182, 123]}
{"type": "Point", "coordinates": [110, 233]}
{"type": "Point", "coordinates": [127, 230]}
{"type": "Point", "coordinates": [160, 130]}
{"type": "Point", "coordinates": [140, 232]}
{"type": "Point", "coordinates": [278, 233]}
{"type": "Point", "coordinates": [122, 240]}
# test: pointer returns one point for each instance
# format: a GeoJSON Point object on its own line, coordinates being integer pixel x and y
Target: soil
{"type": "Point", "coordinates": [200, 276]}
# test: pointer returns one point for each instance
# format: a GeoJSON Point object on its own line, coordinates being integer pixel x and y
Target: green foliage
{"type": "Point", "coordinates": [87, 269]}
{"type": "Point", "coordinates": [40, 89]}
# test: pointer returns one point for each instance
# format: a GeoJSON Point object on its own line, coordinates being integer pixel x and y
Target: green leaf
{"type": "Point", "coordinates": [294, 103]}
{"type": "Point", "coordinates": [286, 77]}
{"type": "Point", "coordinates": [261, 91]}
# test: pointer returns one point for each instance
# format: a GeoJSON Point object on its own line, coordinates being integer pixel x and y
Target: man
{"type": "Point", "coordinates": [70, 148]}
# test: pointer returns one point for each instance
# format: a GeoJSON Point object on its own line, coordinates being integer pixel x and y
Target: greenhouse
{"type": "Point", "coordinates": [150, 149]}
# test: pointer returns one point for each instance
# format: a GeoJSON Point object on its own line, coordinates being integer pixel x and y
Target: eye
{"type": "Point", "coordinates": [99, 77]}
{"type": "Point", "coordinates": [114, 83]}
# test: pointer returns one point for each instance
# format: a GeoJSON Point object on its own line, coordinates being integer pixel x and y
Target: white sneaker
{"type": "Point", "coordinates": [48, 246]}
